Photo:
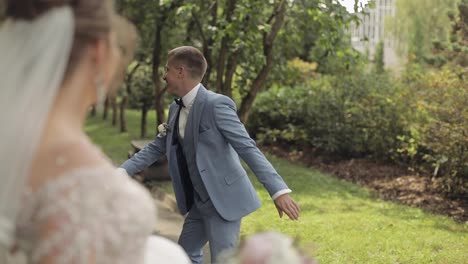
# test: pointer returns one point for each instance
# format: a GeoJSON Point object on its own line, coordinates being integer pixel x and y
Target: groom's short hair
{"type": "Point", "coordinates": [190, 57]}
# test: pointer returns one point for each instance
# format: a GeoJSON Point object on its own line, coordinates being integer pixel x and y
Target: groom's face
{"type": "Point", "coordinates": [172, 78]}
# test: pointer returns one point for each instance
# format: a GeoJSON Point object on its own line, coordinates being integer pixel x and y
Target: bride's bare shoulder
{"type": "Point", "coordinates": [56, 160]}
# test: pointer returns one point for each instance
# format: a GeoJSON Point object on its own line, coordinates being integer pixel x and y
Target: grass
{"type": "Point", "coordinates": [340, 222]}
{"type": "Point", "coordinates": [115, 144]}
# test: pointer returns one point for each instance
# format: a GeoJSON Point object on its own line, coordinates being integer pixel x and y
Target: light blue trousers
{"type": "Point", "coordinates": [204, 224]}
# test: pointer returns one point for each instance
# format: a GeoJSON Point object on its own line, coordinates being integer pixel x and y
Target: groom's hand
{"type": "Point", "coordinates": [286, 204]}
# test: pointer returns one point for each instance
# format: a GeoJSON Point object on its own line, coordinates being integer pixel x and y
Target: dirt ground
{"type": "Point", "coordinates": [391, 182]}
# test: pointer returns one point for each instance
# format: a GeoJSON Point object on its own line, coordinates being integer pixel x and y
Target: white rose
{"type": "Point", "coordinates": [162, 129]}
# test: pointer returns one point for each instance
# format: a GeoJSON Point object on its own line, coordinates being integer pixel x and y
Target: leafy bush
{"type": "Point", "coordinates": [440, 104]}
{"type": "Point", "coordinates": [420, 120]}
{"type": "Point", "coordinates": [142, 89]}
{"type": "Point", "coordinates": [299, 71]}
{"type": "Point", "coordinates": [351, 115]}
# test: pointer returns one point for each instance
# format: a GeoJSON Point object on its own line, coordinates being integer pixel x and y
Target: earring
{"type": "Point", "coordinates": [100, 91]}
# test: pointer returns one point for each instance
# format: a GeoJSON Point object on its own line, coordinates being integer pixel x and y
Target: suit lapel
{"type": "Point", "coordinates": [193, 121]}
{"type": "Point", "coordinates": [172, 127]}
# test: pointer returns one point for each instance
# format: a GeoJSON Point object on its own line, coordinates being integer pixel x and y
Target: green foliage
{"type": "Point", "coordinates": [420, 120]}
{"type": "Point", "coordinates": [455, 50]}
{"type": "Point", "coordinates": [144, 15]}
{"type": "Point", "coordinates": [418, 22]}
{"type": "Point", "coordinates": [352, 115]}
{"type": "Point", "coordinates": [440, 126]}
{"type": "Point", "coordinates": [232, 33]}
{"type": "Point", "coordinates": [142, 89]}
{"type": "Point", "coordinates": [343, 61]}
{"type": "Point", "coordinates": [297, 72]}
{"type": "Point", "coordinates": [316, 32]}
{"type": "Point", "coordinates": [251, 20]}
{"type": "Point", "coordinates": [379, 59]}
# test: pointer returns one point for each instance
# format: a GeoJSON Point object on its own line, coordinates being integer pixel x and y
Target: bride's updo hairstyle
{"type": "Point", "coordinates": [93, 20]}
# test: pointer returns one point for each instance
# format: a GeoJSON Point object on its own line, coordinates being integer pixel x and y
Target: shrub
{"type": "Point", "coordinates": [440, 100]}
{"type": "Point", "coordinates": [352, 115]}
{"type": "Point", "coordinates": [420, 120]}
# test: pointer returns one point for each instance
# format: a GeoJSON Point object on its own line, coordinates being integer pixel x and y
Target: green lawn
{"type": "Point", "coordinates": [340, 222]}
{"type": "Point", "coordinates": [115, 144]}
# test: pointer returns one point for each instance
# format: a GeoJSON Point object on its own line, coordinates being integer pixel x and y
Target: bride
{"type": "Point", "coordinates": [61, 200]}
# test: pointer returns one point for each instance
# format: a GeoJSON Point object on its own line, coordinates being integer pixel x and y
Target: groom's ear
{"type": "Point", "coordinates": [181, 71]}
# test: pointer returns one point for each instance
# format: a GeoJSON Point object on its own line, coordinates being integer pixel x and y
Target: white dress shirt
{"type": "Point", "coordinates": [188, 101]}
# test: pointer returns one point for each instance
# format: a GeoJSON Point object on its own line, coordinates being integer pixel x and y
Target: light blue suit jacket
{"type": "Point", "coordinates": [219, 139]}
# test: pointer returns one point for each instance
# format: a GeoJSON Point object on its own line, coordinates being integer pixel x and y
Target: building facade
{"type": "Point", "coordinates": [366, 36]}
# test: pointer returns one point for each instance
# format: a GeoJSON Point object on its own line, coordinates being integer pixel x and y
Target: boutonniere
{"type": "Point", "coordinates": [163, 129]}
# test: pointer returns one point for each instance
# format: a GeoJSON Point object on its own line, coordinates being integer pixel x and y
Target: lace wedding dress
{"type": "Point", "coordinates": [88, 215]}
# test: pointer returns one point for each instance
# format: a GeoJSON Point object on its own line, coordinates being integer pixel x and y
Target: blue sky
{"type": "Point", "coordinates": [349, 4]}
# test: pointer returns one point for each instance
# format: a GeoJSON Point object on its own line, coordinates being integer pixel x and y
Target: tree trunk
{"type": "Point", "coordinates": [123, 120]}
{"type": "Point", "coordinates": [124, 102]}
{"type": "Point", "coordinates": [115, 110]}
{"type": "Point", "coordinates": [208, 44]}
{"type": "Point", "coordinates": [144, 113]}
{"type": "Point", "coordinates": [223, 52]}
{"type": "Point", "coordinates": [159, 90]}
{"type": "Point", "coordinates": [230, 70]}
{"type": "Point", "coordinates": [220, 67]}
{"type": "Point", "coordinates": [248, 100]}
{"type": "Point", "coordinates": [105, 111]}
{"type": "Point", "coordinates": [276, 21]}
{"type": "Point", "coordinates": [159, 24]}
{"type": "Point", "coordinates": [160, 113]}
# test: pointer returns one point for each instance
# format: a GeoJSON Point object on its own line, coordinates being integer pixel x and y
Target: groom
{"type": "Point", "coordinates": [203, 141]}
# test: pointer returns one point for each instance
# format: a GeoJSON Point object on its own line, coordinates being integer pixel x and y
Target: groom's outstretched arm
{"type": "Point", "coordinates": [234, 131]}
{"type": "Point", "coordinates": [145, 157]}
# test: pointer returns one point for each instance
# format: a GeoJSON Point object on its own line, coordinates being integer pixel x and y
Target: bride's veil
{"type": "Point", "coordinates": [33, 59]}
